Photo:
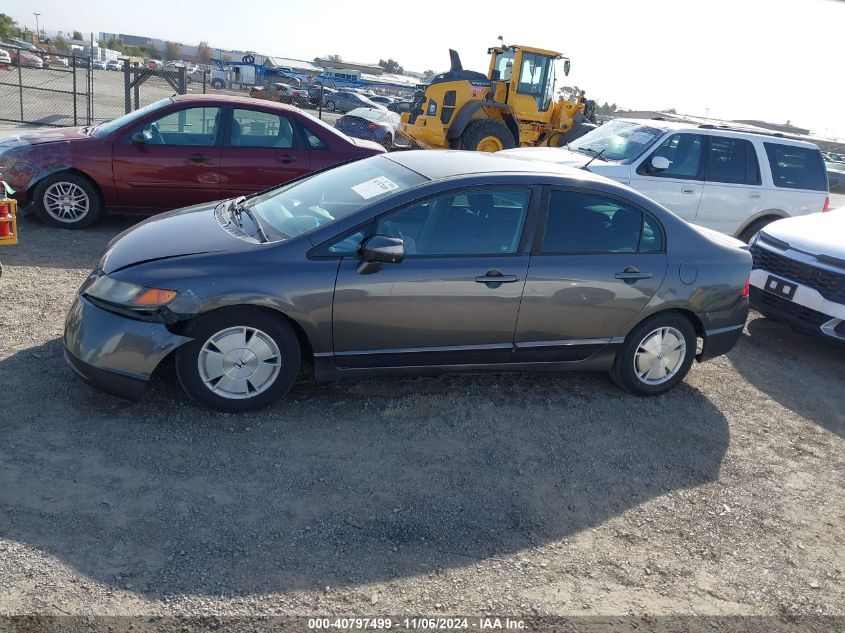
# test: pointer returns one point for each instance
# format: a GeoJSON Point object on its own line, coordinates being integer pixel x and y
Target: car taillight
{"type": "Point", "coordinates": [372, 126]}
{"type": "Point", "coordinates": [746, 289]}
{"type": "Point", "coordinates": [826, 206]}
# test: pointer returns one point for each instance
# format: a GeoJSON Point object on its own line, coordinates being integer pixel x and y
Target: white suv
{"type": "Point", "coordinates": [727, 179]}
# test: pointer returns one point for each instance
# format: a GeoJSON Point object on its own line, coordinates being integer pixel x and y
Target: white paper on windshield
{"type": "Point", "coordinates": [375, 187]}
{"type": "Point", "coordinates": [640, 137]}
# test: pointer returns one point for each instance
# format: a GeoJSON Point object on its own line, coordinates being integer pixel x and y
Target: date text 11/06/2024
{"type": "Point", "coordinates": [423, 624]}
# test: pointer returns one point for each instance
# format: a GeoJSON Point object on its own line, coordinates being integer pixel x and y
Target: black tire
{"type": "Point", "coordinates": [206, 326]}
{"type": "Point", "coordinates": [476, 131]}
{"type": "Point", "coordinates": [752, 229]}
{"type": "Point", "coordinates": [623, 372]}
{"type": "Point", "coordinates": [217, 83]}
{"type": "Point", "coordinates": [386, 142]}
{"type": "Point", "coordinates": [68, 180]}
{"type": "Point", "coordinates": [578, 130]}
{"type": "Point", "coordinates": [330, 106]}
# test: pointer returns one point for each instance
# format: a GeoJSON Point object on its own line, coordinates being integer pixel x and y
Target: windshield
{"type": "Point", "coordinates": [330, 195]}
{"type": "Point", "coordinates": [620, 140]}
{"type": "Point", "coordinates": [104, 129]}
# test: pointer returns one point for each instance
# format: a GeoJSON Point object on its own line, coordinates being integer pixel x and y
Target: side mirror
{"type": "Point", "coordinates": [138, 138]}
{"type": "Point", "coordinates": [378, 250]}
{"type": "Point", "coordinates": [660, 163]}
{"type": "Point", "coordinates": [566, 65]}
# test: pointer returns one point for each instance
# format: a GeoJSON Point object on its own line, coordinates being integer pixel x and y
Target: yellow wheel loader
{"type": "Point", "coordinates": [513, 105]}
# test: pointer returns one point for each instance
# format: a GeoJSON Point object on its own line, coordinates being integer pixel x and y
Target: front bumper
{"type": "Point", "coordinates": [802, 318]}
{"type": "Point", "coordinates": [114, 353]}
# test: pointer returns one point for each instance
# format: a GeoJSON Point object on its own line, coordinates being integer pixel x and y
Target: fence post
{"type": "Point", "coordinates": [20, 84]}
{"type": "Point", "coordinates": [127, 103]}
{"type": "Point", "coordinates": [183, 80]}
{"type": "Point", "coordinates": [204, 74]}
{"type": "Point", "coordinates": [75, 118]}
{"type": "Point", "coordinates": [320, 107]}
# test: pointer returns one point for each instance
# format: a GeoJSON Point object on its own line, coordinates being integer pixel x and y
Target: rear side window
{"type": "Point", "coordinates": [732, 160]}
{"type": "Point", "coordinates": [796, 167]}
{"type": "Point", "coordinates": [587, 223]}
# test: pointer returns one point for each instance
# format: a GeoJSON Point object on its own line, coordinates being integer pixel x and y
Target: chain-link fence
{"type": "Point", "coordinates": [45, 88]}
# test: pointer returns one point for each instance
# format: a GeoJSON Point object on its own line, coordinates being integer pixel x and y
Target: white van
{"type": "Point", "coordinates": [727, 179]}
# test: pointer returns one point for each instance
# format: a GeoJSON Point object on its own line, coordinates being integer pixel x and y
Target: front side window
{"type": "Point", "coordinates": [104, 129]}
{"type": "Point", "coordinates": [252, 128]}
{"type": "Point", "coordinates": [683, 151]}
{"type": "Point", "coordinates": [732, 160]}
{"type": "Point", "coordinates": [796, 167]}
{"type": "Point", "coordinates": [196, 127]}
{"type": "Point", "coordinates": [582, 223]}
{"type": "Point", "coordinates": [475, 222]}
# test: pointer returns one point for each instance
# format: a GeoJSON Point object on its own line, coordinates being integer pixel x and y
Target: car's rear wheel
{"type": "Point", "coordinates": [330, 106]}
{"type": "Point", "coordinates": [68, 201]}
{"type": "Point", "coordinates": [241, 359]}
{"type": "Point", "coordinates": [656, 355]}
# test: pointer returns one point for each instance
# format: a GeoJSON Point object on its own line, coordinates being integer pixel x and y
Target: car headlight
{"type": "Point", "coordinates": [131, 295]}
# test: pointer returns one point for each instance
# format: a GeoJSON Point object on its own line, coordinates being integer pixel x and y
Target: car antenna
{"type": "Point", "coordinates": [595, 156]}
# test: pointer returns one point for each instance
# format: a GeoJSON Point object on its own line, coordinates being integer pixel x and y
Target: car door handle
{"type": "Point", "coordinates": [286, 158]}
{"type": "Point", "coordinates": [632, 273]}
{"type": "Point", "coordinates": [496, 277]}
{"type": "Point", "coordinates": [687, 190]}
{"type": "Point", "coordinates": [753, 195]}
{"type": "Point", "coordinates": [199, 158]}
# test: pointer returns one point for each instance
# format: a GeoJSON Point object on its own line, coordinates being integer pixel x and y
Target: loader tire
{"type": "Point", "coordinates": [487, 135]}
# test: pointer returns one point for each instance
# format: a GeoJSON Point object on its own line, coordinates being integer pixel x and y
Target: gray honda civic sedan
{"type": "Point", "coordinates": [410, 263]}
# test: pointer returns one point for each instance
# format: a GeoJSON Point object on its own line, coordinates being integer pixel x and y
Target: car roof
{"type": "Point", "coordinates": [733, 130]}
{"type": "Point", "coordinates": [227, 99]}
{"type": "Point", "coordinates": [441, 164]}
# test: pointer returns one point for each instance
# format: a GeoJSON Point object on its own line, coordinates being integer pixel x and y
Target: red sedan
{"type": "Point", "coordinates": [173, 153]}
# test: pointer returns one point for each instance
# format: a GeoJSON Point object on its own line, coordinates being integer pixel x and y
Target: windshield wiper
{"type": "Point", "coordinates": [237, 208]}
{"type": "Point", "coordinates": [595, 156]}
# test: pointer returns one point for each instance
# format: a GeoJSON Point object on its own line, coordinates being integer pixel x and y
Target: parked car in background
{"type": "Point", "coordinates": [283, 93]}
{"type": "Point", "coordinates": [178, 151]}
{"type": "Point", "coordinates": [835, 177]}
{"type": "Point", "coordinates": [346, 100]}
{"type": "Point", "coordinates": [314, 94]}
{"type": "Point", "coordinates": [400, 106]}
{"type": "Point", "coordinates": [56, 60]}
{"type": "Point", "coordinates": [798, 274]}
{"type": "Point", "coordinates": [98, 64]}
{"type": "Point", "coordinates": [114, 64]}
{"type": "Point", "coordinates": [25, 58]}
{"type": "Point", "coordinates": [731, 180]}
{"type": "Point", "coordinates": [81, 61]}
{"type": "Point", "coordinates": [5, 58]}
{"type": "Point", "coordinates": [410, 263]}
{"type": "Point", "coordinates": [371, 124]}
{"type": "Point", "coordinates": [381, 100]}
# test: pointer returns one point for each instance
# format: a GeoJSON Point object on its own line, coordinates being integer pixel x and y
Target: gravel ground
{"type": "Point", "coordinates": [509, 494]}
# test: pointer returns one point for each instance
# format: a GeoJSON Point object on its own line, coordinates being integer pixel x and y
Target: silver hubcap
{"type": "Point", "coordinates": [660, 355]}
{"type": "Point", "coordinates": [66, 202]}
{"type": "Point", "coordinates": [239, 362]}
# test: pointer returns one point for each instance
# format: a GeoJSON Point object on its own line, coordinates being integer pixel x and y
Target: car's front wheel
{"type": "Point", "coordinates": [241, 359]}
{"type": "Point", "coordinates": [656, 355]}
{"type": "Point", "coordinates": [330, 106]}
{"type": "Point", "coordinates": [68, 201]}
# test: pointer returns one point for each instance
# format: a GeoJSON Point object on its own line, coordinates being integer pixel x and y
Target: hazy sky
{"type": "Point", "coordinates": [775, 60]}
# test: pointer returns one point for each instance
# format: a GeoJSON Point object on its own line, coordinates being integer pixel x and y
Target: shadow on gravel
{"type": "Point", "coordinates": [338, 485]}
{"type": "Point", "coordinates": [803, 364]}
{"type": "Point", "coordinates": [48, 247]}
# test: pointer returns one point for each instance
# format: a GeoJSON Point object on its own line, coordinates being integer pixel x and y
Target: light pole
{"type": "Point", "coordinates": [37, 30]}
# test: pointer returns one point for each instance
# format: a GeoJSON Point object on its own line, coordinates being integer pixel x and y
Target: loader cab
{"type": "Point", "coordinates": [524, 78]}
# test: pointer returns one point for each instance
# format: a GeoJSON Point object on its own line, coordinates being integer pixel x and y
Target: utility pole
{"type": "Point", "coordinates": [37, 30]}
